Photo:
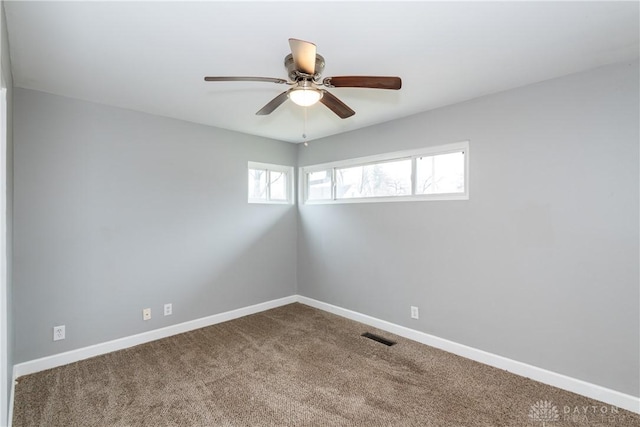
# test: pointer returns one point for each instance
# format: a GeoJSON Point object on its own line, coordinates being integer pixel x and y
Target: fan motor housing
{"type": "Point", "coordinates": [295, 75]}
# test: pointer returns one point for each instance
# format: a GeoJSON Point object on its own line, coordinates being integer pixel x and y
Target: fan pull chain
{"type": "Point", "coordinates": [304, 128]}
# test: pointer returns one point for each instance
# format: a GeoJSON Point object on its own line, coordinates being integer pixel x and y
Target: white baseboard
{"type": "Point", "coordinates": [65, 358]}
{"type": "Point", "coordinates": [561, 381]}
{"type": "Point", "coordinates": [593, 391]}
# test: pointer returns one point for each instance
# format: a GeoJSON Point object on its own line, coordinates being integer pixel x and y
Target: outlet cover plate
{"type": "Point", "coordinates": [146, 314]}
{"type": "Point", "coordinates": [58, 333]}
{"type": "Point", "coordinates": [415, 314]}
{"type": "Point", "coordinates": [168, 309]}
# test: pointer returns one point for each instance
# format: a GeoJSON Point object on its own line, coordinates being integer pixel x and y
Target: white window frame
{"type": "Point", "coordinates": [288, 170]}
{"type": "Point", "coordinates": [386, 157]}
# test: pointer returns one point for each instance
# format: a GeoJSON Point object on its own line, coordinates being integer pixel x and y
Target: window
{"type": "Point", "coordinates": [391, 178]}
{"type": "Point", "coordinates": [319, 185]}
{"type": "Point", "coordinates": [433, 173]}
{"type": "Point", "coordinates": [270, 183]}
{"type": "Point", "coordinates": [440, 174]}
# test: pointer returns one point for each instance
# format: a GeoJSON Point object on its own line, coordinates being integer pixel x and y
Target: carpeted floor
{"type": "Point", "coordinates": [294, 366]}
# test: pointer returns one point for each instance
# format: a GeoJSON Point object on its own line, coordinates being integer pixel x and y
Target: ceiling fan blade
{"type": "Point", "coordinates": [245, 79]}
{"type": "Point", "coordinates": [304, 55]}
{"type": "Point", "coordinates": [372, 82]}
{"type": "Point", "coordinates": [335, 105]}
{"type": "Point", "coordinates": [273, 104]}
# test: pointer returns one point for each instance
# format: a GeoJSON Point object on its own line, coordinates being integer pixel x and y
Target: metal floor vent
{"type": "Point", "coordinates": [378, 338]}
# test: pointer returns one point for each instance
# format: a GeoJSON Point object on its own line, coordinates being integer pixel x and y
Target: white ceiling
{"type": "Point", "coordinates": [152, 56]}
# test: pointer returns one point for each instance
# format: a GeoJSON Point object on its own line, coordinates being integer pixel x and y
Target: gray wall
{"type": "Point", "coordinates": [540, 265]}
{"type": "Point", "coordinates": [7, 319]}
{"type": "Point", "coordinates": [116, 211]}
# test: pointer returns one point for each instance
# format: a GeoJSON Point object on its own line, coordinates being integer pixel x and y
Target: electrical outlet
{"type": "Point", "coordinates": [168, 309]}
{"type": "Point", "coordinates": [58, 333]}
{"type": "Point", "coordinates": [415, 314]}
{"type": "Point", "coordinates": [146, 314]}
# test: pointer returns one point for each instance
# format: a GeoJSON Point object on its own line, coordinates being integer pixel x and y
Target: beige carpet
{"type": "Point", "coordinates": [294, 366]}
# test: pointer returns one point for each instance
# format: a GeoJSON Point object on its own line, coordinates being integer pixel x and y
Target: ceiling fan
{"type": "Point", "coordinates": [304, 67]}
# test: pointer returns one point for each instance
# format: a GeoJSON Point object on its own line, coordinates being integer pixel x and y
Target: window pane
{"type": "Point", "coordinates": [375, 180]}
{"type": "Point", "coordinates": [319, 185]}
{"type": "Point", "coordinates": [439, 174]}
{"type": "Point", "coordinates": [278, 185]}
{"type": "Point", "coordinates": [257, 184]}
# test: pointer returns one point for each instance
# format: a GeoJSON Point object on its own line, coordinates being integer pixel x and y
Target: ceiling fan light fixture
{"type": "Point", "coordinates": [304, 67]}
{"type": "Point", "coordinates": [305, 97]}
